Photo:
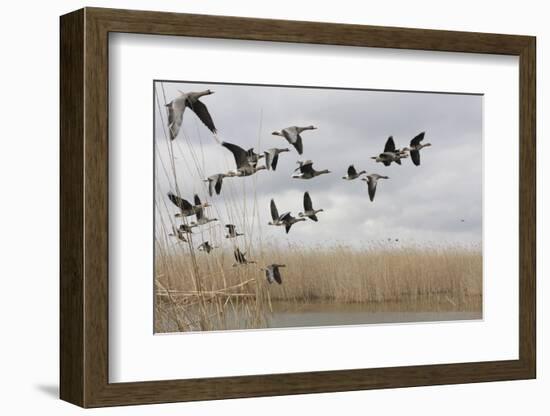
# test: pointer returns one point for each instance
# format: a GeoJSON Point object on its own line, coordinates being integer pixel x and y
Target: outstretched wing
{"type": "Point", "coordinates": [230, 228]}
{"type": "Point", "coordinates": [175, 117]}
{"type": "Point", "coordinates": [306, 167]}
{"type": "Point", "coordinates": [298, 145]}
{"type": "Point", "coordinates": [240, 155]}
{"type": "Point", "coordinates": [179, 202]}
{"type": "Point", "coordinates": [211, 186]}
{"type": "Point", "coordinates": [372, 187]}
{"type": "Point", "coordinates": [269, 275]}
{"type": "Point", "coordinates": [352, 171]}
{"type": "Point", "coordinates": [415, 157]}
{"type": "Point", "coordinates": [202, 113]}
{"type": "Point", "coordinates": [308, 205]}
{"type": "Point", "coordinates": [390, 145]}
{"type": "Point", "coordinates": [274, 161]}
{"type": "Point", "coordinates": [417, 139]}
{"type": "Point", "coordinates": [314, 217]}
{"type": "Point", "coordinates": [274, 212]}
{"type": "Point", "coordinates": [197, 200]}
{"type": "Point", "coordinates": [219, 182]}
{"type": "Point", "coordinates": [290, 134]}
{"type": "Point", "coordinates": [277, 275]}
{"type": "Point", "coordinates": [287, 227]}
{"type": "Point", "coordinates": [268, 159]}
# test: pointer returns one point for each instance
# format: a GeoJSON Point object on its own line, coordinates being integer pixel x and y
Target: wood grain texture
{"type": "Point", "coordinates": [84, 205]}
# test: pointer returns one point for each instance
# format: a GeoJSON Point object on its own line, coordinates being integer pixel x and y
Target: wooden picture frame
{"type": "Point", "coordinates": [84, 207]}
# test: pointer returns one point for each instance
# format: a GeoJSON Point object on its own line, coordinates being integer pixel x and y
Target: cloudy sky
{"type": "Point", "coordinates": [422, 204]}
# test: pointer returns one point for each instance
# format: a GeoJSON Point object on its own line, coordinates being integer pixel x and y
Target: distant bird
{"type": "Point", "coordinates": [205, 246]}
{"type": "Point", "coordinates": [215, 182]}
{"type": "Point", "coordinates": [253, 157]}
{"type": "Point", "coordinates": [307, 171]}
{"type": "Point", "coordinates": [308, 209]}
{"type": "Point", "coordinates": [177, 106]}
{"type": "Point", "coordinates": [390, 154]}
{"type": "Point", "coordinates": [353, 174]}
{"type": "Point", "coordinates": [241, 259]}
{"type": "Point", "coordinates": [285, 219]}
{"type": "Point", "coordinates": [180, 235]}
{"type": "Point", "coordinates": [372, 181]}
{"type": "Point", "coordinates": [273, 274]}
{"type": "Point", "coordinates": [201, 218]}
{"type": "Point", "coordinates": [231, 231]}
{"type": "Point", "coordinates": [415, 147]}
{"type": "Point", "coordinates": [292, 135]}
{"type": "Point", "coordinates": [186, 209]}
{"type": "Point", "coordinates": [272, 157]}
{"type": "Point", "coordinates": [462, 220]}
{"type": "Point", "coordinates": [244, 167]}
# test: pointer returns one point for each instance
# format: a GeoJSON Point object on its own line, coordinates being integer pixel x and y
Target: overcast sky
{"type": "Point", "coordinates": [417, 204]}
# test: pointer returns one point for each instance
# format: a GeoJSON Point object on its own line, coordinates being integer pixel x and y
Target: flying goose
{"type": "Point", "coordinates": [353, 174]}
{"type": "Point", "coordinates": [231, 231]}
{"type": "Point", "coordinates": [179, 234]}
{"type": "Point", "coordinates": [308, 209]}
{"type": "Point", "coordinates": [307, 171]}
{"type": "Point", "coordinates": [205, 246]}
{"type": "Point", "coordinates": [372, 180]}
{"type": "Point", "coordinates": [390, 154]}
{"type": "Point", "coordinates": [415, 147]}
{"type": "Point", "coordinates": [186, 209]}
{"type": "Point", "coordinates": [273, 274]}
{"type": "Point", "coordinates": [244, 168]}
{"type": "Point", "coordinates": [177, 106]}
{"type": "Point", "coordinates": [241, 259]}
{"type": "Point", "coordinates": [201, 218]}
{"type": "Point", "coordinates": [215, 182]}
{"type": "Point", "coordinates": [272, 157]}
{"type": "Point", "coordinates": [285, 219]}
{"type": "Point", "coordinates": [184, 228]}
{"type": "Point", "coordinates": [292, 135]}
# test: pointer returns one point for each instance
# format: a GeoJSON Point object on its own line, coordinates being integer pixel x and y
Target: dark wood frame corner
{"type": "Point", "coordinates": [84, 207]}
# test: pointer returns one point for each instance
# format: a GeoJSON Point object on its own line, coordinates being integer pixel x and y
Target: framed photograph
{"type": "Point", "coordinates": [255, 207]}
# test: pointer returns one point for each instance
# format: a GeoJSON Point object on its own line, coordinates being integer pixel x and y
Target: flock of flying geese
{"type": "Point", "coordinates": [246, 162]}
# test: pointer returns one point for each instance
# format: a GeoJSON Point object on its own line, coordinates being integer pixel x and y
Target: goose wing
{"type": "Point", "coordinates": [197, 200]}
{"type": "Point", "coordinates": [417, 139]}
{"type": "Point", "coordinates": [274, 212]}
{"type": "Point", "coordinates": [275, 161]}
{"type": "Point", "coordinates": [371, 182]}
{"type": "Point", "coordinates": [239, 256]}
{"type": "Point", "coordinates": [415, 157]}
{"type": "Point", "coordinates": [175, 116]}
{"type": "Point", "coordinates": [240, 155]}
{"type": "Point", "coordinates": [298, 145]}
{"type": "Point", "coordinates": [269, 275]}
{"type": "Point", "coordinates": [352, 171]}
{"type": "Point", "coordinates": [211, 186]}
{"type": "Point", "coordinates": [219, 182]}
{"type": "Point", "coordinates": [230, 229]}
{"type": "Point", "coordinates": [202, 113]}
{"type": "Point", "coordinates": [307, 167]}
{"type": "Point", "coordinates": [308, 205]}
{"type": "Point", "coordinates": [269, 156]}
{"type": "Point", "coordinates": [285, 216]}
{"type": "Point", "coordinates": [390, 145]}
{"type": "Point", "coordinates": [290, 134]}
{"type": "Point", "coordinates": [277, 275]}
{"type": "Point", "coordinates": [179, 202]}
{"type": "Point", "coordinates": [287, 227]}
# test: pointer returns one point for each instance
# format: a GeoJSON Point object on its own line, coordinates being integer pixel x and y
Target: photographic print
{"type": "Point", "coordinates": [293, 206]}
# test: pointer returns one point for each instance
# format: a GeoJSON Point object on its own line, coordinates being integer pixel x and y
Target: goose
{"type": "Point", "coordinates": [244, 168]}
{"type": "Point", "coordinates": [201, 218]}
{"type": "Point", "coordinates": [372, 180]}
{"type": "Point", "coordinates": [205, 246]}
{"type": "Point", "coordinates": [215, 182]}
{"type": "Point", "coordinates": [231, 231]}
{"type": "Point", "coordinates": [177, 106]}
{"type": "Point", "coordinates": [186, 209]}
{"type": "Point", "coordinates": [272, 157]}
{"type": "Point", "coordinates": [285, 219]}
{"type": "Point", "coordinates": [184, 228]}
{"type": "Point", "coordinates": [307, 171]}
{"type": "Point", "coordinates": [241, 259]}
{"type": "Point", "coordinates": [308, 209]}
{"type": "Point", "coordinates": [390, 154]}
{"type": "Point", "coordinates": [415, 147]}
{"type": "Point", "coordinates": [180, 235]}
{"type": "Point", "coordinates": [292, 135]}
{"type": "Point", "coordinates": [353, 174]}
{"type": "Point", "coordinates": [273, 274]}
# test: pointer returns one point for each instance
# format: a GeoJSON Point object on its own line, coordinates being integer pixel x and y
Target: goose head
{"type": "Point", "coordinates": [276, 133]}
{"type": "Point", "coordinates": [311, 128]}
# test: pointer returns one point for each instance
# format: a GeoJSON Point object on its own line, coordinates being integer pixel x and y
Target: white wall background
{"type": "Point", "coordinates": [29, 210]}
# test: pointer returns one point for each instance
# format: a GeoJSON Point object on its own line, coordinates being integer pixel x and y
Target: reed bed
{"type": "Point", "coordinates": [417, 277]}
